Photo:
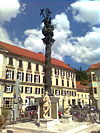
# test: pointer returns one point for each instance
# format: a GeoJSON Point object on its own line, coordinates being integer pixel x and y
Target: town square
{"type": "Point", "coordinates": [49, 66]}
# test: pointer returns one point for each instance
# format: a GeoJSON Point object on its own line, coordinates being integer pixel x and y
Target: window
{"type": "Point", "coordinates": [71, 75]}
{"type": "Point", "coordinates": [52, 91]}
{"type": "Point", "coordinates": [7, 102]}
{"type": "Point", "coordinates": [28, 90]}
{"type": "Point", "coordinates": [69, 101]}
{"type": "Point", "coordinates": [57, 92]}
{"type": "Point", "coordinates": [20, 76]}
{"type": "Point", "coordinates": [66, 74]}
{"type": "Point", "coordinates": [68, 93]}
{"type": "Point", "coordinates": [56, 81]}
{"type": "Point", "coordinates": [29, 65]}
{"type": "Point", "coordinates": [56, 71]}
{"type": "Point", "coordinates": [20, 63]}
{"type": "Point", "coordinates": [37, 78]}
{"type": "Point", "coordinates": [42, 91]}
{"type": "Point", "coordinates": [95, 90]}
{"type": "Point", "coordinates": [37, 90]}
{"type": "Point", "coordinates": [73, 93]}
{"type": "Point", "coordinates": [37, 67]}
{"type": "Point", "coordinates": [21, 89]}
{"type": "Point", "coordinates": [93, 77]}
{"type": "Point", "coordinates": [9, 74]}
{"type": "Point", "coordinates": [78, 96]}
{"type": "Point", "coordinates": [72, 84]}
{"type": "Point", "coordinates": [43, 69]}
{"type": "Point", "coordinates": [10, 61]}
{"type": "Point", "coordinates": [8, 88]}
{"type": "Point", "coordinates": [43, 79]}
{"type": "Point", "coordinates": [62, 73]}
{"type": "Point", "coordinates": [67, 83]}
{"type": "Point", "coordinates": [81, 95]}
{"type": "Point", "coordinates": [62, 82]}
{"type": "Point", "coordinates": [63, 93]}
{"type": "Point", "coordinates": [28, 77]}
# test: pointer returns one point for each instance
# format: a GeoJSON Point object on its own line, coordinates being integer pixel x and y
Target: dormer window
{"type": "Point", "coordinates": [20, 63]}
{"type": "Point", "coordinates": [10, 61]}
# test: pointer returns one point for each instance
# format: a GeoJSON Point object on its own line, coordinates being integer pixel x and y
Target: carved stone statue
{"type": "Point", "coordinates": [46, 105]}
{"type": "Point", "coordinates": [67, 111]}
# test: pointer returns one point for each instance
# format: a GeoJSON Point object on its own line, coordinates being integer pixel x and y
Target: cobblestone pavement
{"type": "Point", "coordinates": [65, 126]}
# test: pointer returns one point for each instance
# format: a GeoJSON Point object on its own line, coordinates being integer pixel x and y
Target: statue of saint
{"type": "Point", "coordinates": [46, 105]}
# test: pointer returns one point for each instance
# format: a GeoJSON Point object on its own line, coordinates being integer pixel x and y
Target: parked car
{"type": "Point", "coordinates": [31, 111]}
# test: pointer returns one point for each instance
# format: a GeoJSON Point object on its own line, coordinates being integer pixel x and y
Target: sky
{"type": "Point", "coordinates": [76, 28]}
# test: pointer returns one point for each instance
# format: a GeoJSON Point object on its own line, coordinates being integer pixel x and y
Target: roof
{"type": "Point", "coordinates": [94, 66]}
{"type": "Point", "coordinates": [32, 55]}
{"type": "Point", "coordinates": [80, 87]}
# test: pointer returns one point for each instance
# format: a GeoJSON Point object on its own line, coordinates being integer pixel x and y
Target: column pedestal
{"type": "Point", "coordinates": [53, 113]}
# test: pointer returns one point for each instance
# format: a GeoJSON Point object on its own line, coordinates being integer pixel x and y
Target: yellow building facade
{"type": "Point", "coordinates": [94, 76]}
{"type": "Point", "coordinates": [28, 67]}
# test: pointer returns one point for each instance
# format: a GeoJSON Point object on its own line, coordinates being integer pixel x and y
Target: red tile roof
{"type": "Point", "coordinates": [94, 66]}
{"type": "Point", "coordinates": [81, 87]}
{"type": "Point", "coordinates": [32, 55]}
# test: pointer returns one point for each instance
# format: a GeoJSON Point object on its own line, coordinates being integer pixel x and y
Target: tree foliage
{"type": "Point", "coordinates": [81, 75]}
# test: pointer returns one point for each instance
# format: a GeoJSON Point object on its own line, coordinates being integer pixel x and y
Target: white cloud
{"type": "Point", "coordinates": [8, 9]}
{"type": "Point", "coordinates": [86, 11]}
{"type": "Point", "coordinates": [87, 48]}
{"type": "Point", "coordinates": [61, 33]}
{"type": "Point", "coordinates": [83, 49]}
{"type": "Point", "coordinates": [33, 41]}
{"type": "Point", "coordinates": [4, 35]}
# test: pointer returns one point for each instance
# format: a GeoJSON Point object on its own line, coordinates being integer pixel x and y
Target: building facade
{"type": "Point", "coordinates": [82, 94]}
{"type": "Point", "coordinates": [94, 76]}
{"type": "Point", "coordinates": [27, 66]}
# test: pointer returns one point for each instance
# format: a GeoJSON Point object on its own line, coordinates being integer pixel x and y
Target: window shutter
{"type": "Point", "coordinates": [39, 90]}
{"type": "Point", "coordinates": [6, 73]}
{"type": "Point", "coordinates": [31, 77]}
{"type": "Point", "coordinates": [34, 78]}
{"type": "Point", "coordinates": [31, 90]}
{"type": "Point", "coordinates": [63, 73]}
{"type": "Point", "coordinates": [22, 76]}
{"type": "Point", "coordinates": [25, 89]}
{"type": "Point", "coordinates": [39, 78]}
{"type": "Point", "coordinates": [43, 79]}
{"type": "Point", "coordinates": [17, 75]}
{"type": "Point", "coordinates": [35, 90]}
{"type": "Point", "coordinates": [5, 88]}
{"type": "Point", "coordinates": [21, 89]}
{"type": "Point", "coordinates": [12, 74]}
{"type": "Point", "coordinates": [26, 76]}
{"type": "Point", "coordinates": [12, 88]}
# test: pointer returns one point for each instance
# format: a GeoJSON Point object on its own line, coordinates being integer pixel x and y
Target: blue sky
{"type": "Point", "coordinates": [76, 33]}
